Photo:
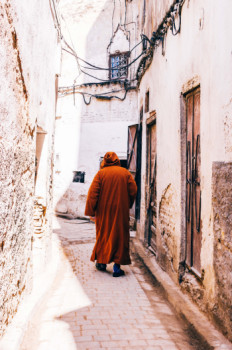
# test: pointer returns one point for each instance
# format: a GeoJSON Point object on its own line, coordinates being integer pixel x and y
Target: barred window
{"type": "Point", "coordinates": [117, 61]}
{"type": "Point", "coordinates": [79, 176]}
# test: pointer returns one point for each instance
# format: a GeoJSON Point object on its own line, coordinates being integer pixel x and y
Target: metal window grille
{"type": "Point", "coordinates": [117, 61]}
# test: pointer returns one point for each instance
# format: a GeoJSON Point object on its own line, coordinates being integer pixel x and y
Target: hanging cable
{"type": "Point", "coordinates": [72, 48]}
{"type": "Point", "coordinates": [159, 36]}
{"type": "Point", "coordinates": [97, 96]}
{"type": "Point", "coordinates": [125, 14]}
{"type": "Point", "coordinates": [120, 14]}
{"type": "Point", "coordinates": [87, 103]}
{"type": "Point", "coordinates": [101, 68]}
{"type": "Point", "coordinates": [113, 20]}
{"type": "Point", "coordinates": [174, 30]}
{"type": "Point", "coordinates": [121, 67]}
{"type": "Point", "coordinates": [55, 17]}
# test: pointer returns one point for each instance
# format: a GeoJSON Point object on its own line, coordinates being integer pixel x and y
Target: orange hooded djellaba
{"type": "Point", "coordinates": [110, 196]}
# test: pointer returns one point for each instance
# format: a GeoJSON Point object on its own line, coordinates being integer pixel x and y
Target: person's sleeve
{"type": "Point", "coordinates": [93, 195]}
{"type": "Point", "coordinates": [132, 189]}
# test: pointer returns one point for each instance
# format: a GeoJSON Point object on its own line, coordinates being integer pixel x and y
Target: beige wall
{"type": "Point", "coordinates": [84, 133]}
{"type": "Point", "coordinates": [200, 54]}
{"type": "Point", "coordinates": [27, 101]}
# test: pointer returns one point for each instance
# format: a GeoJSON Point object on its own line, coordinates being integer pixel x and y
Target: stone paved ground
{"type": "Point", "coordinates": [88, 309]}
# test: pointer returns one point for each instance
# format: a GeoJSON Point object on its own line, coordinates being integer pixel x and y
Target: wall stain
{"type": "Point", "coordinates": [15, 47]}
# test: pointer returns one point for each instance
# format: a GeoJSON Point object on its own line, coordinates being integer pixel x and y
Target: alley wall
{"type": "Point", "coordinates": [199, 57]}
{"type": "Point", "coordinates": [27, 105]}
{"type": "Point", "coordinates": [87, 127]}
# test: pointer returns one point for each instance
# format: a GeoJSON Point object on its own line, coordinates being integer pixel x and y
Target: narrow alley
{"type": "Point", "coordinates": [88, 309]}
{"type": "Point", "coordinates": [118, 112]}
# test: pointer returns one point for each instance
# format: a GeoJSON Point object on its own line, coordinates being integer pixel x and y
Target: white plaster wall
{"type": "Point", "coordinates": [27, 83]}
{"type": "Point", "coordinates": [86, 132]}
{"type": "Point", "coordinates": [82, 137]}
{"type": "Point", "coordinates": [203, 51]}
{"type": "Point", "coordinates": [67, 144]}
{"type": "Point", "coordinates": [120, 42]}
{"type": "Point", "coordinates": [89, 27]}
{"type": "Point", "coordinates": [40, 53]}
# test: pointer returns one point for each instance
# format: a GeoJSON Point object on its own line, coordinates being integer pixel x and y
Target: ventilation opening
{"type": "Point", "coordinates": [79, 176]}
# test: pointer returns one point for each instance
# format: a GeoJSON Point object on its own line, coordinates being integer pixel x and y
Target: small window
{"type": "Point", "coordinates": [147, 102]}
{"type": "Point", "coordinates": [79, 176]}
{"type": "Point", "coordinates": [117, 61]}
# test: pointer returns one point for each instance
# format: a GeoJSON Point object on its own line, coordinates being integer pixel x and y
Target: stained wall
{"type": "Point", "coordinates": [198, 56]}
{"type": "Point", "coordinates": [27, 101]}
{"type": "Point", "coordinates": [87, 127]}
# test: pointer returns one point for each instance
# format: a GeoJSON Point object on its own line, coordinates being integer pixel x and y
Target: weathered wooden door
{"type": "Point", "coordinates": [134, 162]}
{"type": "Point", "coordinates": [151, 183]}
{"type": "Point", "coordinates": [193, 182]}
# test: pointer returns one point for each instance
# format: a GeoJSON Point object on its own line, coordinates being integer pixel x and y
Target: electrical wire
{"type": "Point", "coordinates": [54, 14]}
{"type": "Point", "coordinates": [125, 13]}
{"type": "Point", "coordinates": [174, 30]}
{"type": "Point", "coordinates": [73, 47]}
{"type": "Point", "coordinates": [136, 45]}
{"type": "Point", "coordinates": [113, 21]}
{"type": "Point", "coordinates": [70, 89]}
{"type": "Point", "coordinates": [101, 68]}
{"type": "Point", "coordinates": [112, 79]}
{"type": "Point", "coordinates": [99, 97]}
{"type": "Point", "coordinates": [159, 35]}
{"type": "Point", "coordinates": [71, 50]}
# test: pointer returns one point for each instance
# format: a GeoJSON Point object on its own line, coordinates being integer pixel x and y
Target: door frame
{"type": "Point", "coordinates": [151, 172]}
{"type": "Point", "coordinates": [135, 152]}
{"type": "Point", "coordinates": [183, 127]}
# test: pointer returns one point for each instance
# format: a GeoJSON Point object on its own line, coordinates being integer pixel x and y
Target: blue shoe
{"type": "Point", "coordinates": [117, 271]}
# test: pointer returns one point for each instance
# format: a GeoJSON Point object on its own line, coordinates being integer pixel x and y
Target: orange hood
{"type": "Point", "coordinates": [110, 159]}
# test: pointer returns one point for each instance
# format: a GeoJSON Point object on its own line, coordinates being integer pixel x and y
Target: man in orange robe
{"type": "Point", "coordinates": [110, 196]}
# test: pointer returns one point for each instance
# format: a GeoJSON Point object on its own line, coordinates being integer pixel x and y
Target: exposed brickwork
{"type": "Point", "coordinates": [167, 245]}
{"type": "Point", "coordinates": [39, 217]}
{"type": "Point", "coordinates": [21, 102]}
{"type": "Point", "coordinates": [110, 111]}
{"type": "Point", "coordinates": [222, 218]}
{"type": "Point", "coordinates": [16, 175]}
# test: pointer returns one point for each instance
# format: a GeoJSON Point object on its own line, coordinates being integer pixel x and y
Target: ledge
{"type": "Point", "coordinates": [184, 307]}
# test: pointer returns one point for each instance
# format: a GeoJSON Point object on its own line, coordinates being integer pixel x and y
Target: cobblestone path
{"type": "Point", "coordinates": [89, 309]}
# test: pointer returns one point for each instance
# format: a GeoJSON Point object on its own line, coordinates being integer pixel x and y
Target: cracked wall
{"type": "Point", "coordinates": [22, 107]}
{"type": "Point", "coordinates": [179, 66]}
{"type": "Point", "coordinates": [167, 237]}
{"type": "Point", "coordinates": [16, 174]}
{"type": "Point", "coordinates": [222, 223]}
{"type": "Point", "coordinates": [87, 128]}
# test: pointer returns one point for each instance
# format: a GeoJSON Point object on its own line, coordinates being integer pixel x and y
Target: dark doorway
{"type": "Point", "coordinates": [151, 181]}
{"type": "Point", "coordinates": [134, 146]}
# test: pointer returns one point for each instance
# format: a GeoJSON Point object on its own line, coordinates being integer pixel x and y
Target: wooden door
{"type": "Point", "coordinates": [151, 181]}
{"type": "Point", "coordinates": [193, 182]}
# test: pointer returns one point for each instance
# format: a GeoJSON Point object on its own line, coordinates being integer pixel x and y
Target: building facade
{"type": "Point", "coordinates": [97, 101]}
{"type": "Point", "coordinates": [29, 64]}
{"type": "Point", "coordinates": [167, 112]}
{"type": "Point", "coordinates": [185, 101]}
